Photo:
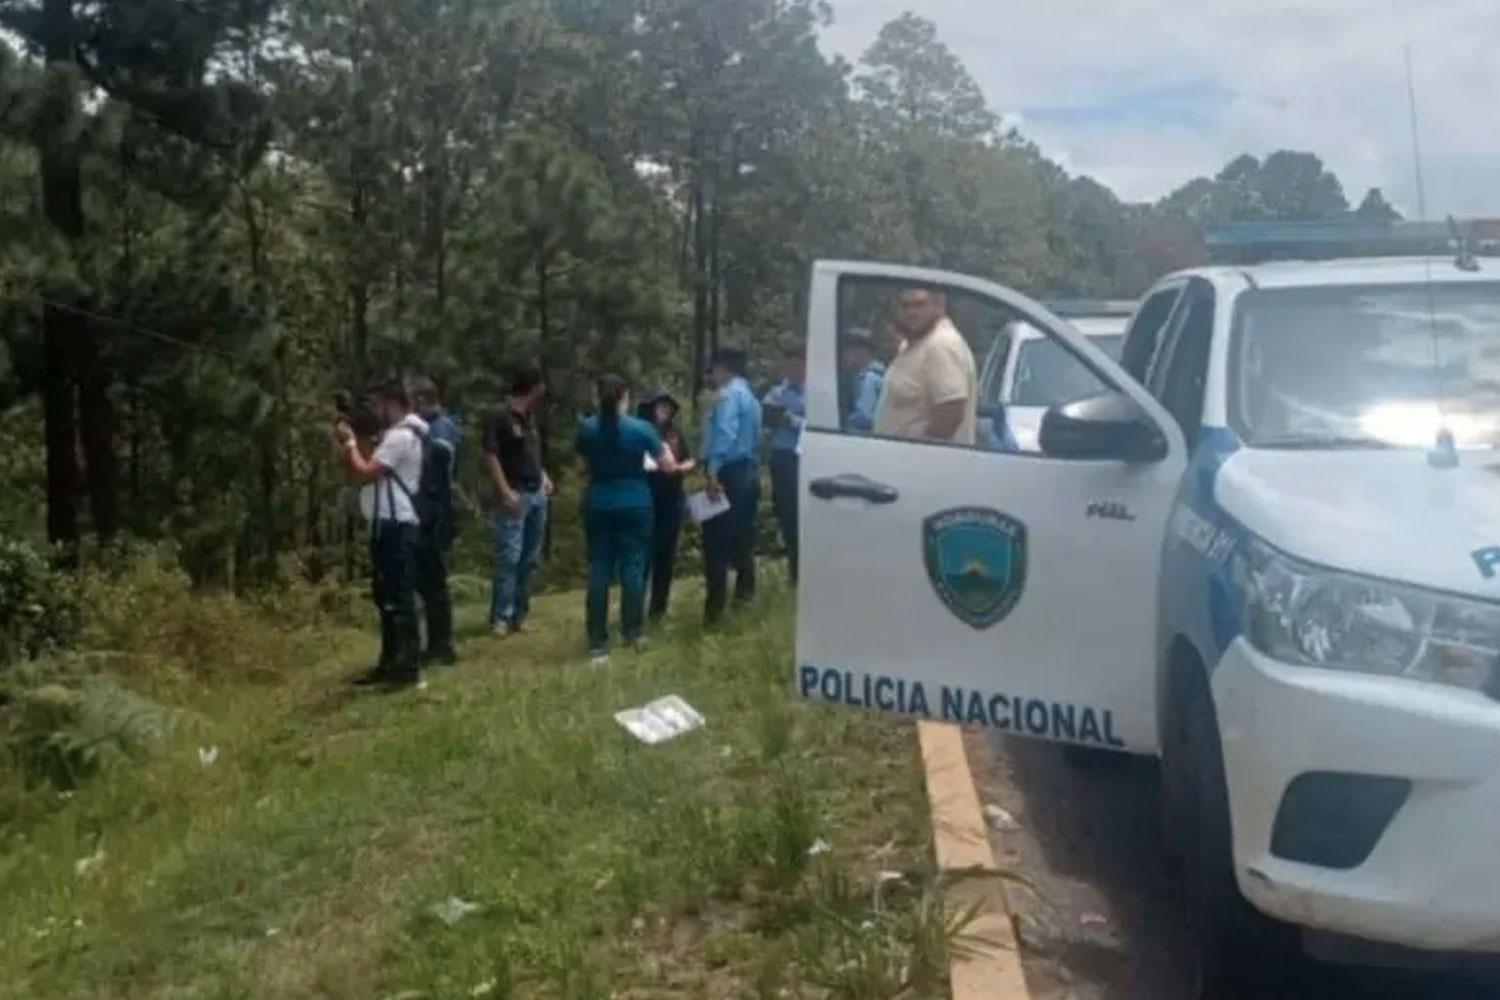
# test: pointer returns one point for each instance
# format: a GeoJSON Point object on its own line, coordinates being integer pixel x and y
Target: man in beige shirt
{"type": "Point", "coordinates": [930, 387]}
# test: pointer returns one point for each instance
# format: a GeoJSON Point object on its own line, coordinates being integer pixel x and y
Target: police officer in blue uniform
{"type": "Point", "coordinates": [785, 407]}
{"type": "Point", "coordinates": [863, 364]}
{"type": "Point", "coordinates": [731, 462]}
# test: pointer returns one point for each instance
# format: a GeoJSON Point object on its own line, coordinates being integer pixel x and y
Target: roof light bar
{"type": "Point", "coordinates": [1078, 308]}
{"type": "Point", "coordinates": [1254, 242]}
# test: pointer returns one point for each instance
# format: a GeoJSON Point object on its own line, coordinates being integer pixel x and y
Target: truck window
{"type": "Point", "coordinates": [1180, 377]}
{"type": "Point", "coordinates": [887, 398]}
{"type": "Point", "coordinates": [1145, 330]}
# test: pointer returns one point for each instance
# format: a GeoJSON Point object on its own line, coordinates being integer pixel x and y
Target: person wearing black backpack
{"type": "Point", "coordinates": [389, 500]}
{"type": "Point", "coordinates": [439, 460]}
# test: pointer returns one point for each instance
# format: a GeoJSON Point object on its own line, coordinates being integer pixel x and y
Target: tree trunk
{"type": "Point", "coordinates": [359, 326]}
{"type": "Point", "coordinates": [60, 431]}
{"type": "Point", "coordinates": [700, 268]}
{"type": "Point", "coordinates": [715, 268]}
{"type": "Point", "coordinates": [359, 286]}
{"type": "Point", "coordinates": [97, 430]}
{"type": "Point", "coordinates": [435, 224]}
{"type": "Point", "coordinates": [272, 385]}
{"type": "Point", "coordinates": [62, 329]}
{"type": "Point", "coordinates": [134, 447]}
{"type": "Point", "coordinates": [544, 324]}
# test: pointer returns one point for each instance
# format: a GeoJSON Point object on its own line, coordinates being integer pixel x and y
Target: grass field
{"type": "Point", "coordinates": [781, 851]}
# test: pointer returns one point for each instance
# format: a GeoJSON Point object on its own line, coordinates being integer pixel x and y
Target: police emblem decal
{"type": "Point", "coordinates": [976, 562]}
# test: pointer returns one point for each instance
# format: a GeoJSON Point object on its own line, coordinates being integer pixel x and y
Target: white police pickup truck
{"type": "Point", "coordinates": [1249, 551]}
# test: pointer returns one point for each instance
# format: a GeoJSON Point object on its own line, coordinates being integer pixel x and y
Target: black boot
{"type": "Point", "coordinates": [406, 669]}
{"type": "Point", "coordinates": [380, 673]}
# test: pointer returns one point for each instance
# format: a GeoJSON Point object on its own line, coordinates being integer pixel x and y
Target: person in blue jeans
{"type": "Point", "coordinates": [513, 462]}
{"type": "Point", "coordinates": [617, 510]}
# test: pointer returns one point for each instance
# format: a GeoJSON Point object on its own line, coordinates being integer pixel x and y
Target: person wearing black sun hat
{"type": "Point", "coordinates": [668, 498]}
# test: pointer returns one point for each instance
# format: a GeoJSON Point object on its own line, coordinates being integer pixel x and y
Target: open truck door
{"type": "Point", "coordinates": [957, 583]}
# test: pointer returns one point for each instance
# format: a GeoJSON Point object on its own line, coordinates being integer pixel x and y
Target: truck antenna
{"type": "Point", "coordinates": [1444, 454]}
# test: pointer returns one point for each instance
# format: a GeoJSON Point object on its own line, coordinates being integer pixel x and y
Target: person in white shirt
{"type": "Point", "coordinates": [392, 477]}
{"type": "Point", "coordinates": [930, 387]}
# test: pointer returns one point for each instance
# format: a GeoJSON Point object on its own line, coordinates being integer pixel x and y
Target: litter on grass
{"type": "Point", "coordinates": [84, 867]}
{"type": "Point", "coordinates": [451, 910]}
{"type": "Point", "coordinates": [660, 720]}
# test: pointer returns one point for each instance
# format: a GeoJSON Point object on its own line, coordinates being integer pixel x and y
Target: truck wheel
{"type": "Point", "coordinates": [1235, 951]}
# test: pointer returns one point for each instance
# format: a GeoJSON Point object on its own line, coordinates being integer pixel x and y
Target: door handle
{"type": "Point", "coordinates": [854, 486]}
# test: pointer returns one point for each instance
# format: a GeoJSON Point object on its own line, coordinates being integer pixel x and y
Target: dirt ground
{"type": "Point", "coordinates": [1097, 917]}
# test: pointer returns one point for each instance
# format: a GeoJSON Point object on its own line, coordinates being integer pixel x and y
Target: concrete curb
{"type": "Point", "coordinates": [988, 965]}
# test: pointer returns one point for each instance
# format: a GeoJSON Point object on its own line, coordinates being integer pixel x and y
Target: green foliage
{"type": "Point", "coordinates": [37, 612]}
{"type": "Point", "coordinates": [67, 725]}
{"type": "Point", "coordinates": [95, 656]}
{"type": "Point", "coordinates": [455, 186]}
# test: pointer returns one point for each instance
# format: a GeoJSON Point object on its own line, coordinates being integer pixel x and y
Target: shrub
{"type": "Point", "coordinates": [62, 724]}
{"type": "Point", "coordinates": [37, 610]}
{"type": "Point", "coordinates": [155, 625]}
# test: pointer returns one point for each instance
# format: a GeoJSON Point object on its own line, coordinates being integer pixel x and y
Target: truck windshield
{"type": "Point", "coordinates": [1377, 366]}
{"type": "Point", "coordinates": [1046, 374]}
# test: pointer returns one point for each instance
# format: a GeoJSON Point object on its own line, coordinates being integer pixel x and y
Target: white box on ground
{"type": "Point", "coordinates": [660, 720]}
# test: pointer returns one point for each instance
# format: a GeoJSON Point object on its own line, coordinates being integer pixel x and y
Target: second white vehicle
{"type": "Point", "coordinates": [1026, 372]}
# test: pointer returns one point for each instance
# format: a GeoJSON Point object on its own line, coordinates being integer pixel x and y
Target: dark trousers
{"type": "Point", "coordinates": [432, 586]}
{"type": "Point", "coordinates": [729, 540]}
{"type": "Point", "coordinates": [666, 529]}
{"type": "Point", "coordinates": [395, 549]}
{"type": "Point", "coordinates": [619, 545]}
{"type": "Point", "coordinates": [784, 503]}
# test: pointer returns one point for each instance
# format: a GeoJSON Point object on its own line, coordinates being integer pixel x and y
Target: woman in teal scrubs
{"type": "Point", "coordinates": [617, 510]}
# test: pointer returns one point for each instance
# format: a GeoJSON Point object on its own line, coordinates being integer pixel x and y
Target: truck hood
{"type": "Point", "coordinates": [1381, 513]}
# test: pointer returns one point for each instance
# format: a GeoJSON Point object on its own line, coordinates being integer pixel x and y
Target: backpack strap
{"type": "Point", "coordinates": [393, 476]}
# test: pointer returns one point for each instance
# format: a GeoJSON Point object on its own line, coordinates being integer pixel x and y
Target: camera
{"type": "Point", "coordinates": [357, 412]}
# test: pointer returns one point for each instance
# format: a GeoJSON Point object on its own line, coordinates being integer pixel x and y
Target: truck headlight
{"type": "Point", "coordinates": [1315, 617]}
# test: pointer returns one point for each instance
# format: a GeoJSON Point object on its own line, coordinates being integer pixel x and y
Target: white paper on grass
{"type": "Point", "coordinates": [702, 507]}
{"type": "Point", "coordinates": [453, 909]}
{"type": "Point", "coordinates": [660, 720]}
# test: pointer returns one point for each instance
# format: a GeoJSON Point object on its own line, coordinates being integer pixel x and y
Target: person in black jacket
{"type": "Point", "coordinates": [667, 498]}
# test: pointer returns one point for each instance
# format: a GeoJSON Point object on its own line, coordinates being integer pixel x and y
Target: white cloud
{"type": "Point", "coordinates": [1322, 75]}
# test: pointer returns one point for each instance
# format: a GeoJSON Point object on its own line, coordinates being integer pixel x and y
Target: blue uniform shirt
{"type": "Point", "coordinates": [793, 399]}
{"type": "Point", "coordinates": [1001, 439]}
{"type": "Point", "coordinates": [617, 466]}
{"type": "Point", "coordinates": [442, 427]}
{"type": "Point", "coordinates": [867, 397]}
{"type": "Point", "coordinates": [732, 432]}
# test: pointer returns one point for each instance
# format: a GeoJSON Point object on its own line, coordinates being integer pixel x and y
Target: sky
{"type": "Point", "coordinates": [1144, 95]}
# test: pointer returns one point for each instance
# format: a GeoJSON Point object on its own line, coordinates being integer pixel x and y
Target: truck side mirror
{"type": "Point", "coordinates": [1109, 425]}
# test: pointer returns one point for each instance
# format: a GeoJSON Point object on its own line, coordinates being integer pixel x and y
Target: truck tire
{"type": "Point", "coordinates": [1236, 952]}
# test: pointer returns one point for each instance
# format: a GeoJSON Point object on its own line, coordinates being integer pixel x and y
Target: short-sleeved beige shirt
{"type": "Point", "coordinates": [939, 368]}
